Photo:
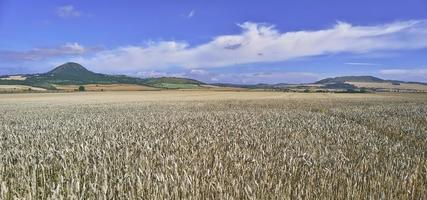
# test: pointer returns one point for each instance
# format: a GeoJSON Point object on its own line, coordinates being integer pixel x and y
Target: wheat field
{"type": "Point", "coordinates": [213, 145]}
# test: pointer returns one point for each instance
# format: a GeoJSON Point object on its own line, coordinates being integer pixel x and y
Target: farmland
{"type": "Point", "coordinates": [19, 88]}
{"type": "Point", "coordinates": [213, 145]}
{"type": "Point", "coordinates": [390, 86]}
{"type": "Point", "coordinates": [105, 87]}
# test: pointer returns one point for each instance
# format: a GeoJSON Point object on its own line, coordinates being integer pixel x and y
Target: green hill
{"type": "Point", "coordinates": [173, 83]}
{"type": "Point", "coordinates": [75, 74]}
{"type": "Point", "coordinates": [73, 71]}
{"type": "Point", "coordinates": [172, 80]}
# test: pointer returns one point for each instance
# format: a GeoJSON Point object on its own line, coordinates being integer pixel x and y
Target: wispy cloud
{"type": "Point", "coordinates": [67, 49]}
{"type": "Point", "coordinates": [191, 14]}
{"type": "Point", "coordinates": [362, 64]}
{"type": "Point", "coordinates": [259, 43]}
{"type": "Point", "coordinates": [68, 11]}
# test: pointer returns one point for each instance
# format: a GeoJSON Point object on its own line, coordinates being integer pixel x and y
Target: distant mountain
{"type": "Point", "coordinates": [371, 83]}
{"type": "Point", "coordinates": [343, 79]}
{"type": "Point", "coordinates": [342, 84]}
{"type": "Point", "coordinates": [75, 74]}
{"type": "Point", "coordinates": [365, 79]}
{"type": "Point", "coordinates": [73, 71]}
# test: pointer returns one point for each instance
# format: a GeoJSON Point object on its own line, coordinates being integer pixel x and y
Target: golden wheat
{"type": "Point", "coordinates": [187, 145]}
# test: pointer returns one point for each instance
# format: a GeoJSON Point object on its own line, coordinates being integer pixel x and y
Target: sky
{"type": "Point", "coordinates": [239, 41]}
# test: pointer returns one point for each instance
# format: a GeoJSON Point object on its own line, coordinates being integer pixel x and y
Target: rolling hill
{"type": "Point", "coordinates": [343, 79]}
{"type": "Point", "coordinates": [371, 83]}
{"type": "Point", "coordinates": [75, 74]}
{"type": "Point", "coordinates": [342, 84]}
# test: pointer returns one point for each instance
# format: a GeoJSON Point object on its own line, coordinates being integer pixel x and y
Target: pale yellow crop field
{"type": "Point", "coordinates": [14, 78]}
{"type": "Point", "coordinates": [402, 86]}
{"type": "Point", "coordinates": [106, 87]}
{"type": "Point", "coordinates": [18, 88]}
{"type": "Point", "coordinates": [213, 145]}
{"type": "Point", "coordinates": [189, 95]}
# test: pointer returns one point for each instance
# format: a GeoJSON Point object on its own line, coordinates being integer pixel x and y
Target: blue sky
{"type": "Point", "coordinates": [219, 41]}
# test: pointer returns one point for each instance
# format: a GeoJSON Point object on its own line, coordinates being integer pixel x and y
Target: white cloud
{"type": "Point", "coordinates": [73, 48]}
{"type": "Point", "coordinates": [191, 14]}
{"type": "Point", "coordinates": [264, 43]}
{"type": "Point", "coordinates": [67, 11]}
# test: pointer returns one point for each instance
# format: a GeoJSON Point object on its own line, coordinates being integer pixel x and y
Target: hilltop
{"type": "Point", "coordinates": [73, 71]}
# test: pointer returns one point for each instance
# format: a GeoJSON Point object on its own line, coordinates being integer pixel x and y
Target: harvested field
{"type": "Point", "coordinates": [14, 78]}
{"type": "Point", "coordinates": [19, 88]}
{"type": "Point", "coordinates": [213, 145]}
{"type": "Point", "coordinates": [106, 87]}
